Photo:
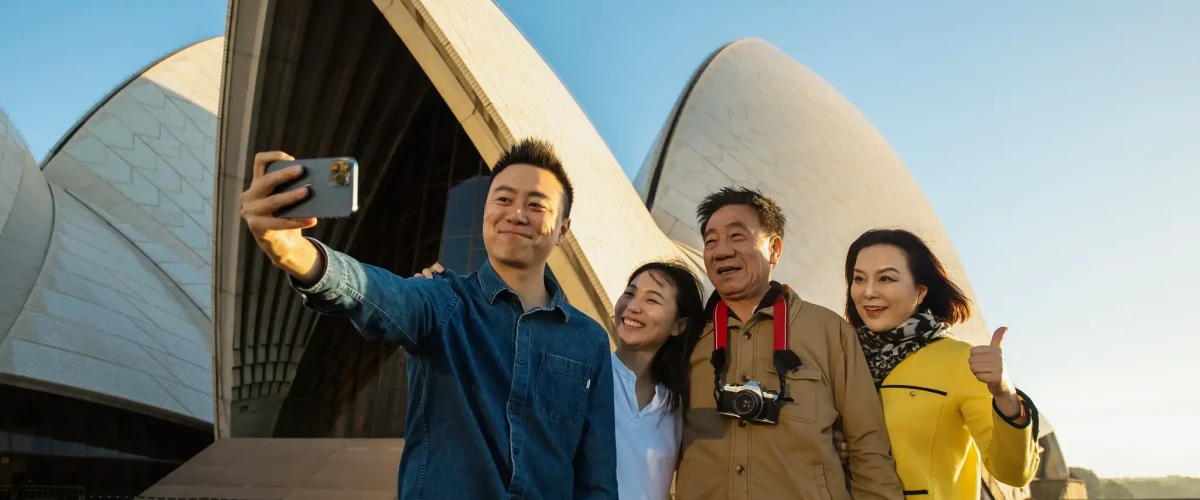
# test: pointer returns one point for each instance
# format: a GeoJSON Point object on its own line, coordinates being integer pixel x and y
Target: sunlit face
{"type": "Point", "coordinates": [521, 221]}
{"type": "Point", "coordinates": [646, 313]}
{"type": "Point", "coordinates": [739, 253]}
{"type": "Point", "coordinates": [883, 289]}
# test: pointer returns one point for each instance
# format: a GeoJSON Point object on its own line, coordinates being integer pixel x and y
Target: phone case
{"type": "Point", "coordinates": [333, 187]}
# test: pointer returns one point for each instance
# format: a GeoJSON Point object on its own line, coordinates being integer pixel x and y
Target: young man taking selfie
{"type": "Point", "coordinates": [512, 395]}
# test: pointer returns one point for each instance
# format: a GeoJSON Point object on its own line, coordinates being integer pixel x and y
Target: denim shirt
{"type": "Point", "coordinates": [502, 403]}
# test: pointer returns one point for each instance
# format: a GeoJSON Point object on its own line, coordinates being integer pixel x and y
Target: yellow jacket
{"type": "Point", "coordinates": [942, 422]}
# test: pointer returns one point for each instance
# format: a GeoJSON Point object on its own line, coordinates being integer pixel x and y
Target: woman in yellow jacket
{"type": "Point", "coordinates": [948, 405]}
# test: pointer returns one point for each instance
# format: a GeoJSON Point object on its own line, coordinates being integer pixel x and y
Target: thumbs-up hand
{"type": "Point", "coordinates": [987, 363]}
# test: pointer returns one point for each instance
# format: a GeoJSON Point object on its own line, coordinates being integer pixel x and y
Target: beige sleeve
{"type": "Point", "coordinates": [872, 469]}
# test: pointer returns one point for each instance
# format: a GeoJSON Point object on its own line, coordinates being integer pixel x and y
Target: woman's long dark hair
{"type": "Point", "coordinates": [670, 364]}
{"type": "Point", "coordinates": [944, 300]}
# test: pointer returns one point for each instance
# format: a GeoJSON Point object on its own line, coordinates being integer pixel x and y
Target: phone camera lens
{"type": "Point", "coordinates": [339, 173]}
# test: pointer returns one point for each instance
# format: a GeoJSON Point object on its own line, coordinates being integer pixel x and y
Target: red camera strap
{"type": "Point", "coordinates": [721, 325]}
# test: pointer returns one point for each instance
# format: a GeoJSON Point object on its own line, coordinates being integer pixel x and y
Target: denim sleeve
{"type": "Point", "coordinates": [378, 303]}
{"type": "Point", "coordinates": [596, 457]}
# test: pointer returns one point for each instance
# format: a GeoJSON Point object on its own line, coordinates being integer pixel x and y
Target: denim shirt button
{"type": "Point", "coordinates": [512, 407]}
{"type": "Point", "coordinates": [520, 361]}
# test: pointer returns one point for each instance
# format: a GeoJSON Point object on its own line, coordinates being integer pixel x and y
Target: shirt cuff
{"type": "Point", "coordinates": [1027, 407]}
{"type": "Point", "coordinates": [325, 283]}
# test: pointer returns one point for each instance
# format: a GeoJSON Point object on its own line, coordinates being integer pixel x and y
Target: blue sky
{"type": "Point", "coordinates": [1058, 143]}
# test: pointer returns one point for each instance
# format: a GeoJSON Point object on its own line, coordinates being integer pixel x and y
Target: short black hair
{"type": "Point", "coordinates": [944, 300]}
{"type": "Point", "coordinates": [769, 214]}
{"type": "Point", "coordinates": [538, 153]}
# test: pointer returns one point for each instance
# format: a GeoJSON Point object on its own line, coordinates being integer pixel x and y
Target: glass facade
{"type": "Point", "coordinates": [428, 206]}
{"type": "Point", "coordinates": [462, 240]}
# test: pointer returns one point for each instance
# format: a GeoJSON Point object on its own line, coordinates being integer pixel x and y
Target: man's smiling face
{"type": "Point", "coordinates": [521, 221]}
{"type": "Point", "coordinates": [739, 253]}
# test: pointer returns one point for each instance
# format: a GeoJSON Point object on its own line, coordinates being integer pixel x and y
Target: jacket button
{"type": "Point", "coordinates": [746, 335]}
{"type": "Point", "coordinates": [740, 470]}
{"type": "Point", "coordinates": [741, 423]}
{"type": "Point", "coordinates": [912, 393]}
{"type": "Point", "coordinates": [745, 379]}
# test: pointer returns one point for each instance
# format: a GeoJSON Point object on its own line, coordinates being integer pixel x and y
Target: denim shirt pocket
{"type": "Point", "coordinates": [562, 387]}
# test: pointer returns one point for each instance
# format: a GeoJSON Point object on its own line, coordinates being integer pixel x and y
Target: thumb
{"type": "Point", "coordinates": [998, 336]}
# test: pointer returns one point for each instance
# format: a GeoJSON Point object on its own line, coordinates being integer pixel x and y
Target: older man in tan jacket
{"type": "Point", "coordinates": [750, 448]}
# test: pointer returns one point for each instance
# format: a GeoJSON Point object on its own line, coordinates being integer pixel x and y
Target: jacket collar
{"type": "Point", "coordinates": [492, 285]}
{"type": "Point", "coordinates": [764, 305]}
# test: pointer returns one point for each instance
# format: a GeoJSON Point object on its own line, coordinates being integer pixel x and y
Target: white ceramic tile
{"type": "Point", "coordinates": [85, 148]}
{"type": "Point", "coordinates": [198, 404]}
{"type": "Point", "coordinates": [102, 195]}
{"type": "Point", "coordinates": [81, 338]}
{"type": "Point", "coordinates": [110, 131]}
{"type": "Point", "coordinates": [148, 94]}
{"type": "Point", "coordinates": [36, 361]}
{"type": "Point", "coordinates": [765, 121]}
{"type": "Point", "coordinates": [82, 312]}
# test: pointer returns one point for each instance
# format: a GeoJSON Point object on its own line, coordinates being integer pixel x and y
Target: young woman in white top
{"type": "Point", "coordinates": [659, 318]}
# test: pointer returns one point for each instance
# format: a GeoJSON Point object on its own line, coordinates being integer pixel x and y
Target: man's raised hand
{"type": "Point", "coordinates": [279, 238]}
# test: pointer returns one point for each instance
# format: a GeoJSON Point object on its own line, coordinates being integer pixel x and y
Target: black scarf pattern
{"type": "Point", "coordinates": [885, 350]}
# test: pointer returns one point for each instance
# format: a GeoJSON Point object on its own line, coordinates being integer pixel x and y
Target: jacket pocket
{"type": "Point", "coordinates": [561, 388]}
{"type": "Point", "coordinates": [822, 484]}
{"type": "Point", "coordinates": [929, 390]}
{"type": "Point", "coordinates": [804, 385]}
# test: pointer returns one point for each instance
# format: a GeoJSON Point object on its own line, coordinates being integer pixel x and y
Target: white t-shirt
{"type": "Point", "coordinates": [647, 439]}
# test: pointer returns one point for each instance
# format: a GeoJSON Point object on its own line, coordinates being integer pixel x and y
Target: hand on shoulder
{"type": "Point", "coordinates": [428, 272]}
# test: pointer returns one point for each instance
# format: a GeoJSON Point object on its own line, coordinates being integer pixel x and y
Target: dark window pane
{"type": "Point", "coordinates": [21, 442]}
{"type": "Point", "coordinates": [454, 254]}
{"type": "Point", "coordinates": [462, 240]}
{"type": "Point", "coordinates": [67, 447]}
{"type": "Point", "coordinates": [464, 207]}
{"type": "Point", "coordinates": [42, 445]}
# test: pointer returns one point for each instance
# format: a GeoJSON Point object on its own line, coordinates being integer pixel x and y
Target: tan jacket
{"type": "Point", "coordinates": [796, 459]}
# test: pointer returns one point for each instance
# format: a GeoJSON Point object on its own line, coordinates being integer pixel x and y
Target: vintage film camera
{"type": "Point", "coordinates": [749, 402]}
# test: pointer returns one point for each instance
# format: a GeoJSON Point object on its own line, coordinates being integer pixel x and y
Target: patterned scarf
{"type": "Point", "coordinates": [885, 350]}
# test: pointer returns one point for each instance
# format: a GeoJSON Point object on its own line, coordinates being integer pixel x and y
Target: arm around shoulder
{"type": "Point", "coordinates": [378, 302]}
{"type": "Point", "coordinates": [872, 468]}
{"type": "Point", "coordinates": [595, 461]}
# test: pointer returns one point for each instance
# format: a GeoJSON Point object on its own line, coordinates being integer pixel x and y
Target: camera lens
{"type": "Point", "coordinates": [746, 403]}
{"type": "Point", "coordinates": [339, 173]}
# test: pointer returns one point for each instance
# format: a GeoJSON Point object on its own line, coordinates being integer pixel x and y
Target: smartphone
{"type": "Point", "coordinates": [332, 187]}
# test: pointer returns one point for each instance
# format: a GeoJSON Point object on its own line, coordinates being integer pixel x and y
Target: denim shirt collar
{"type": "Point", "coordinates": [492, 285]}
